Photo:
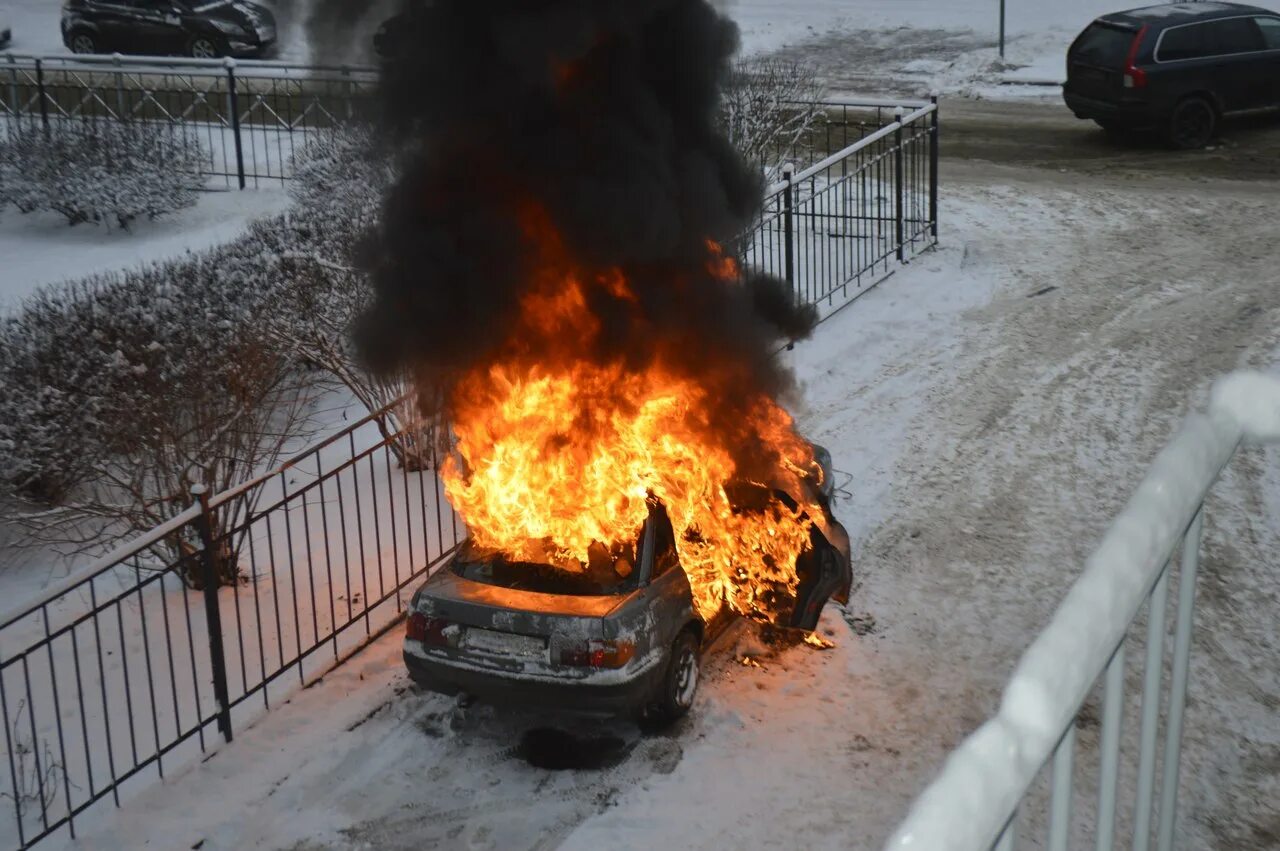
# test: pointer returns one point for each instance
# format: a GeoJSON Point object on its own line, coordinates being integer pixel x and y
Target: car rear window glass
{"type": "Point", "coordinates": [1270, 28]}
{"type": "Point", "coordinates": [608, 572]}
{"type": "Point", "coordinates": [1103, 44]}
{"type": "Point", "coordinates": [1234, 35]}
{"type": "Point", "coordinates": [1187, 42]}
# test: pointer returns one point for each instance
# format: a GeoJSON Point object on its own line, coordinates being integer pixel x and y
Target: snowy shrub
{"type": "Point", "coordinates": [120, 392]}
{"type": "Point", "coordinates": [768, 106]}
{"type": "Point", "coordinates": [338, 188]}
{"type": "Point", "coordinates": [101, 171]}
{"type": "Point", "coordinates": [343, 175]}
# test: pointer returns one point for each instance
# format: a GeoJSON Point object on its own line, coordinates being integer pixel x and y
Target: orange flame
{"type": "Point", "coordinates": [557, 452]}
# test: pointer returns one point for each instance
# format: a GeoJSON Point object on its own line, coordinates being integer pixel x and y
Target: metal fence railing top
{"type": "Point", "coordinates": [974, 803]}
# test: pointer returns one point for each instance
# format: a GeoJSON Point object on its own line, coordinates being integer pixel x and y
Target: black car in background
{"type": "Point", "coordinates": [1177, 68]}
{"type": "Point", "coordinates": [395, 35]}
{"type": "Point", "coordinates": [204, 30]}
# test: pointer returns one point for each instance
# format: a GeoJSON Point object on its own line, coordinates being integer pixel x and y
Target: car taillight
{"type": "Point", "coordinates": [1135, 77]}
{"type": "Point", "coordinates": [598, 654]}
{"type": "Point", "coordinates": [419, 627]}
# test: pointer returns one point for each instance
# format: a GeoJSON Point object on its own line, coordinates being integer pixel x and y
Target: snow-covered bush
{"type": "Point", "coordinates": [339, 184]}
{"type": "Point", "coordinates": [767, 108]}
{"type": "Point", "coordinates": [101, 171]}
{"type": "Point", "coordinates": [120, 392]}
{"type": "Point", "coordinates": [344, 175]}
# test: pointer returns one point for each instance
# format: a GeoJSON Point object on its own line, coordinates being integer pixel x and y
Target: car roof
{"type": "Point", "coordinates": [1168, 14]}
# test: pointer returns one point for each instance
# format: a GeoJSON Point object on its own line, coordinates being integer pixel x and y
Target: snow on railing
{"type": "Point", "coordinates": [974, 803]}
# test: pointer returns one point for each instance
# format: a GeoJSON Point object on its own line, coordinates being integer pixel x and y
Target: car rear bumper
{"type": "Point", "coordinates": [1134, 112]}
{"type": "Point", "coordinates": [611, 696]}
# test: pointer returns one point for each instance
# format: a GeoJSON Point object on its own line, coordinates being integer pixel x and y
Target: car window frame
{"type": "Point", "coordinates": [1155, 55]}
{"type": "Point", "coordinates": [1258, 19]}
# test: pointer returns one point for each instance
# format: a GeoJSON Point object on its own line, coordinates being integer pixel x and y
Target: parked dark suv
{"type": "Point", "coordinates": [164, 27]}
{"type": "Point", "coordinates": [1177, 68]}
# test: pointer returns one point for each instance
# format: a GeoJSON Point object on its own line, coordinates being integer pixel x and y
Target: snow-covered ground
{"type": "Point", "coordinates": [993, 405]}
{"type": "Point", "coordinates": [40, 249]}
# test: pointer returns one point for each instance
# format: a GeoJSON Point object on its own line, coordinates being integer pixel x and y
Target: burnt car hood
{"type": "Point", "coordinates": [448, 587]}
{"type": "Point", "coordinates": [249, 15]}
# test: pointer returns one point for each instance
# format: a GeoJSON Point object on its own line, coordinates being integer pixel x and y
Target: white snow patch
{"type": "Point", "coordinates": [41, 249]}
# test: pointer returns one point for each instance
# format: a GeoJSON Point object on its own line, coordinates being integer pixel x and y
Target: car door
{"type": "Point", "coordinates": [1237, 58]}
{"type": "Point", "coordinates": [1269, 58]}
{"type": "Point", "coordinates": [668, 594]}
{"type": "Point", "coordinates": [112, 21]}
{"type": "Point", "coordinates": [156, 26]}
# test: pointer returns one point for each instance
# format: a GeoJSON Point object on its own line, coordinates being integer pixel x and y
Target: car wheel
{"type": "Point", "coordinates": [204, 47]}
{"type": "Point", "coordinates": [1192, 124]}
{"type": "Point", "coordinates": [83, 42]}
{"type": "Point", "coordinates": [680, 684]}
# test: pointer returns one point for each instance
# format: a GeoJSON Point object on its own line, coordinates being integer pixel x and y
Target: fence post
{"type": "Point", "coordinates": [351, 93]}
{"type": "Point", "coordinates": [115, 58]}
{"type": "Point", "coordinates": [899, 180]}
{"type": "Point", "coordinates": [933, 169]}
{"type": "Point", "coordinates": [44, 104]}
{"type": "Point", "coordinates": [217, 655]}
{"type": "Point", "coordinates": [233, 104]}
{"type": "Point", "coordinates": [1002, 4]}
{"type": "Point", "coordinates": [14, 104]}
{"type": "Point", "coordinates": [788, 226]}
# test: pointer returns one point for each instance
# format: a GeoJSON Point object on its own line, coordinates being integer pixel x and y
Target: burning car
{"type": "Point", "coordinates": [622, 635]}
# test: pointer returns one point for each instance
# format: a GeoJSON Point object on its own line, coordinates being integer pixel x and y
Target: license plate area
{"type": "Point", "coordinates": [505, 644]}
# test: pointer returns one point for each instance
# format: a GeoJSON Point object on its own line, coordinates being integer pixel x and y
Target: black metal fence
{"type": "Point", "coordinates": [841, 224]}
{"type": "Point", "coordinates": [248, 118]}
{"type": "Point", "coordinates": [130, 666]}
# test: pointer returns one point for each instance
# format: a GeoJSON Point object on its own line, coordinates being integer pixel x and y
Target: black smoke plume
{"type": "Point", "coordinates": [603, 114]}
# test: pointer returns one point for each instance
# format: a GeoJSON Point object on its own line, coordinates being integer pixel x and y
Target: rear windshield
{"type": "Point", "coordinates": [1103, 44]}
{"type": "Point", "coordinates": [608, 572]}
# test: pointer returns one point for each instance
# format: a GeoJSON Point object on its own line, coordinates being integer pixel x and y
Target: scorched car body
{"type": "Point", "coordinates": [621, 638]}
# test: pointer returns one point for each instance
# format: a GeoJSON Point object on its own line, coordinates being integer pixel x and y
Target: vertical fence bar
{"type": "Point", "coordinates": [217, 656]}
{"type": "Point", "coordinates": [934, 134]}
{"type": "Point", "coordinates": [1153, 675]}
{"type": "Point", "coordinates": [1178, 685]}
{"type": "Point", "coordinates": [1060, 812]}
{"type": "Point", "coordinates": [40, 92]}
{"type": "Point", "coordinates": [1002, 23]}
{"type": "Point", "coordinates": [899, 181]}
{"type": "Point", "coordinates": [57, 717]}
{"type": "Point", "coordinates": [233, 104]}
{"type": "Point", "coordinates": [120, 111]}
{"type": "Point", "coordinates": [1112, 715]}
{"type": "Point", "coordinates": [788, 226]}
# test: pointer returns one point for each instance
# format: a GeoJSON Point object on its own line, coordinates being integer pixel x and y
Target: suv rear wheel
{"type": "Point", "coordinates": [1192, 124]}
{"type": "Point", "coordinates": [204, 47]}
{"type": "Point", "coordinates": [82, 41]}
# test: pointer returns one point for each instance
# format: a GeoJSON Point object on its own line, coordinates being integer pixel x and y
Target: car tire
{"type": "Point", "coordinates": [205, 47]}
{"type": "Point", "coordinates": [680, 684]}
{"type": "Point", "coordinates": [1192, 124]}
{"type": "Point", "coordinates": [82, 41]}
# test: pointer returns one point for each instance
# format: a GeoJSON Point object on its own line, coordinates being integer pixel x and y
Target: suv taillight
{"type": "Point", "coordinates": [419, 627]}
{"type": "Point", "coordinates": [598, 654]}
{"type": "Point", "coordinates": [1135, 77]}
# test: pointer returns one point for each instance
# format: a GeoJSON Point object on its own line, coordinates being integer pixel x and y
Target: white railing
{"type": "Point", "coordinates": [974, 804]}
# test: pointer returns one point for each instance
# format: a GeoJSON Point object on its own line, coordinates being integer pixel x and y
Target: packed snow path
{"type": "Point", "coordinates": [995, 404]}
